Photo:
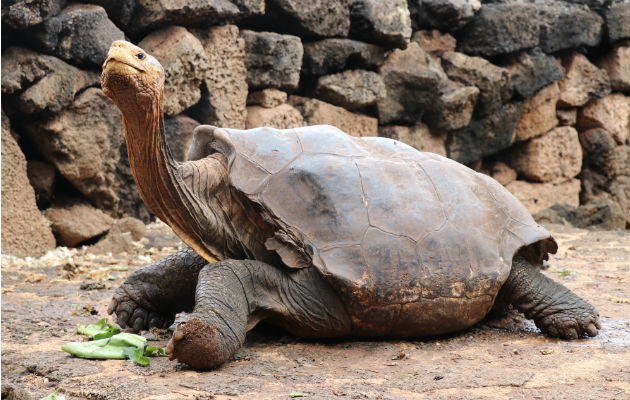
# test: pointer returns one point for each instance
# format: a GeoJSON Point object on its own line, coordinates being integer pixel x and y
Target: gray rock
{"type": "Point", "coordinates": [601, 154]}
{"type": "Point", "coordinates": [351, 89]}
{"type": "Point", "coordinates": [81, 34]}
{"type": "Point", "coordinates": [418, 136]}
{"type": "Point", "coordinates": [272, 60]}
{"type": "Point", "coordinates": [484, 137]}
{"type": "Point", "coordinates": [149, 15]}
{"type": "Point", "coordinates": [500, 29]}
{"type": "Point", "coordinates": [328, 56]}
{"type": "Point", "coordinates": [532, 70]}
{"type": "Point", "coordinates": [434, 42]}
{"type": "Point", "coordinates": [282, 116]}
{"type": "Point", "coordinates": [317, 112]}
{"type": "Point", "coordinates": [494, 84]}
{"type": "Point", "coordinates": [74, 222]}
{"type": "Point", "coordinates": [453, 108]}
{"type": "Point", "coordinates": [224, 95]}
{"type": "Point", "coordinates": [83, 142]}
{"type": "Point", "coordinates": [42, 177]}
{"type": "Point", "coordinates": [600, 214]}
{"type": "Point", "coordinates": [446, 15]}
{"type": "Point", "coordinates": [22, 14]}
{"type": "Point", "coordinates": [616, 63]}
{"type": "Point", "coordinates": [413, 81]}
{"type": "Point", "coordinates": [564, 26]}
{"type": "Point", "coordinates": [120, 237]}
{"type": "Point", "coordinates": [311, 19]}
{"type": "Point", "coordinates": [120, 11]}
{"type": "Point", "coordinates": [250, 7]}
{"type": "Point", "coordinates": [268, 98]}
{"type": "Point", "coordinates": [25, 232]}
{"type": "Point", "coordinates": [185, 64]}
{"type": "Point", "coordinates": [383, 22]}
{"type": "Point", "coordinates": [582, 82]}
{"type": "Point", "coordinates": [179, 135]}
{"type": "Point", "coordinates": [40, 82]}
{"type": "Point", "coordinates": [617, 17]}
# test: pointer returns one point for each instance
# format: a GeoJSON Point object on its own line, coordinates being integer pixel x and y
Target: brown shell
{"type": "Point", "coordinates": [397, 231]}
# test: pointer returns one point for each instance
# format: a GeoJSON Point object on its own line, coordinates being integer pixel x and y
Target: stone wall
{"type": "Point", "coordinates": [531, 92]}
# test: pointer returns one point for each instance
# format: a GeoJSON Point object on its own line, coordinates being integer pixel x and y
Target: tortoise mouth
{"type": "Point", "coordinates": [113, 66]}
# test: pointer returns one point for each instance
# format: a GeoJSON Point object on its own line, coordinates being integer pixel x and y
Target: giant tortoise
{"type": "Point", "coordinates": [322, 233]}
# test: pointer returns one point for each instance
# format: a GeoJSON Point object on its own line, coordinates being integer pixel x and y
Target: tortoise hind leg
{"type": "Point", "coordinates": [153, 295]}
{"type": "Point", "coordinates": [557, 311]}
{"type": "Point", "coordinates": [232, 296]}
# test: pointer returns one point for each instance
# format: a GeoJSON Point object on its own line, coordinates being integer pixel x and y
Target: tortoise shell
{"type": "Point", "coordinates": [403, 235]}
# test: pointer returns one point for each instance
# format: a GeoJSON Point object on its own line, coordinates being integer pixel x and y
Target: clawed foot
{"type": "Point", "coordinates": [571, 323]}
{"type": "Point", "coordinates": [196, 343]}
{"type": "Point", "coordinates": [129, 313]}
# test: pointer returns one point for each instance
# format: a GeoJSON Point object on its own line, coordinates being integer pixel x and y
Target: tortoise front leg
{"type": "Point", "coordinates": [153, 295]}
{"type": "Point", "coordinates": [234, 295]}
{"type": "Point", "coordinates": [557, 311]}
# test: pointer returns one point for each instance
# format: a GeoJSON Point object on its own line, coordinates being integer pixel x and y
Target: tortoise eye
{"type": "Point", "coordinates": [140, 56]}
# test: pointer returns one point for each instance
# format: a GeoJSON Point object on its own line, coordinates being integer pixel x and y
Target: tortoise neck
{"type": "Point", "coordinates": [157, 173]}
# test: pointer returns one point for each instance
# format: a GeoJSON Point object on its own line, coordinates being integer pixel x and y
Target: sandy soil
{"type": "Point", "coordinates": [501, 358]}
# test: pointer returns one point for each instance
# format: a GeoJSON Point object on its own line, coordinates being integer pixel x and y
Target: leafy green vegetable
{"type": "Point", "coordinates": [152, 351]}
{"type": "Point", "coordinates": [99, 330]}
{"type": "Point", "coordinates": [109, 343]}
{"type": "Point", "coordinates": [108, 348]}
{"type": "Point", "coordinates": [54, 396]}
{"type": "Point", "coordinates": [293, 395]}
{"type": "Point", "coordinates": [137, 356]}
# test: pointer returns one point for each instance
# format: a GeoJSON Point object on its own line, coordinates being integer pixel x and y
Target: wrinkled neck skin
{"type": "Point", "coordinates": [158, 175]}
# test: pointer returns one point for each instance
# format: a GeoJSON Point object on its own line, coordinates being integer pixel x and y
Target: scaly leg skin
{"type": "Point", "coordinates": [153, 295]}
{"type": "Point", "coordinates": [557, 311]}
{"type": "Point", "coordinates": [233, 296]}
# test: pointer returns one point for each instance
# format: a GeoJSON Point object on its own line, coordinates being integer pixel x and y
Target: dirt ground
{"type": "Point", "coordinates": [44, 300]}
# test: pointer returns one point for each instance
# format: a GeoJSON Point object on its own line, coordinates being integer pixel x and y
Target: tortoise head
{"type": "Point", "coordinates": [131, 77]}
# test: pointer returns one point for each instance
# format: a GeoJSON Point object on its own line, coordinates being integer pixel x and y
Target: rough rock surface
{"type": "Point", "coordinates": [25, 232]}
{"type": "Point", "coordinates": [83, 143]}
{"type": "Point", "coordinates": [312, 18]}
{"type": "Point", "coordinates": [351, 89]}
{"type": "Point", "coordinates": [493, 82]}
{"type": "Point", "coordinates": [611, 113]}
{"type": "Point", "coordinates": [224, 94]}
{"type": "Point", "coordinates": [583, 81]}
{"type": "Point", "coordinates": [334, 55]}
{"type": "Point", "coordinates": [316, 112]}
{"type": "Point", "coordinates": [268, 98]}
{"type": "Point", "coordinates": [154, 14]}
{"type": "Point", "coordinates": [446, 15]}
{"type": "Point", "coordinates": [566, 117]}
{"type": "Point", "coordinates": [283, 116]}
{"type": "Point", "coordinates": [454, 108]}
{"type": "Point", "coordinates": [41, 176]}
{"type": "Point", "coordinates": [539, 113]}
{"type": "Point", "coordinates": [602, 214]}
{"type": "Point", "coordinates": [554, 157]}
{"type": "Point", "coordinates": [185, 64]}
{"type": "Point", "coordinates": [485, 136]}
{"type": "Point", "coordinates": [539, 196]}
{"type": "Point", "coordinates": [22, 14]}
{"type": "Point", "coordinates": [502, 173]}
{"type": "Point", "coordinates": [617, 65]}
{"type": "Point", "coordinates": [413, 81]}
{"type": "Point", "coordinates": [272, 60]}
{"type": "Point", "coordinates": [41, 82]}
{"type": "Point", "coordinates": [532, 70]}
{"type": "Point", "coordinates": [179, 135]}
{"type": "Point", "coordinates": [76, 222]}
{"type": "Point", "coordinates": [383, 22]}
{"type": "Point", "coordinates": [500, 29]}
{"type": "Point", "coordinates": [434, 42]}
{"type": "Point", "coordinates": [565, 26]}
{"type": "Point", "coordinates": [120, 237]}
{"type": "Point", "coordinates": [418, 136]}
{"type": "Point", "coordinates": [617, 17]}
{"type": "Point", "coordinates": [81, 34]}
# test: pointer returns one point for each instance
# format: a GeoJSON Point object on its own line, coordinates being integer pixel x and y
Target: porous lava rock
{"type": "Point", "coordinates": [383, 22]}
{"type": "Point", "coordinates": [351, 89]}
{"type": "Point", "coordinates": [582, 82]}
{"type": "Point", "coordinates": [75, 222]}
{"type": "Point", "coordinates": [531, 70]}
{"type": "Point", "coordinates": [283, 116]}
{"type": "Point", "coordinates": [311, 19]}
{"type": "Point", "coordinates": [419, 136]}
{"type": "Point", "coordinates": [335, 54]}
{"type": "Point", "coordinates": [317, 112]}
